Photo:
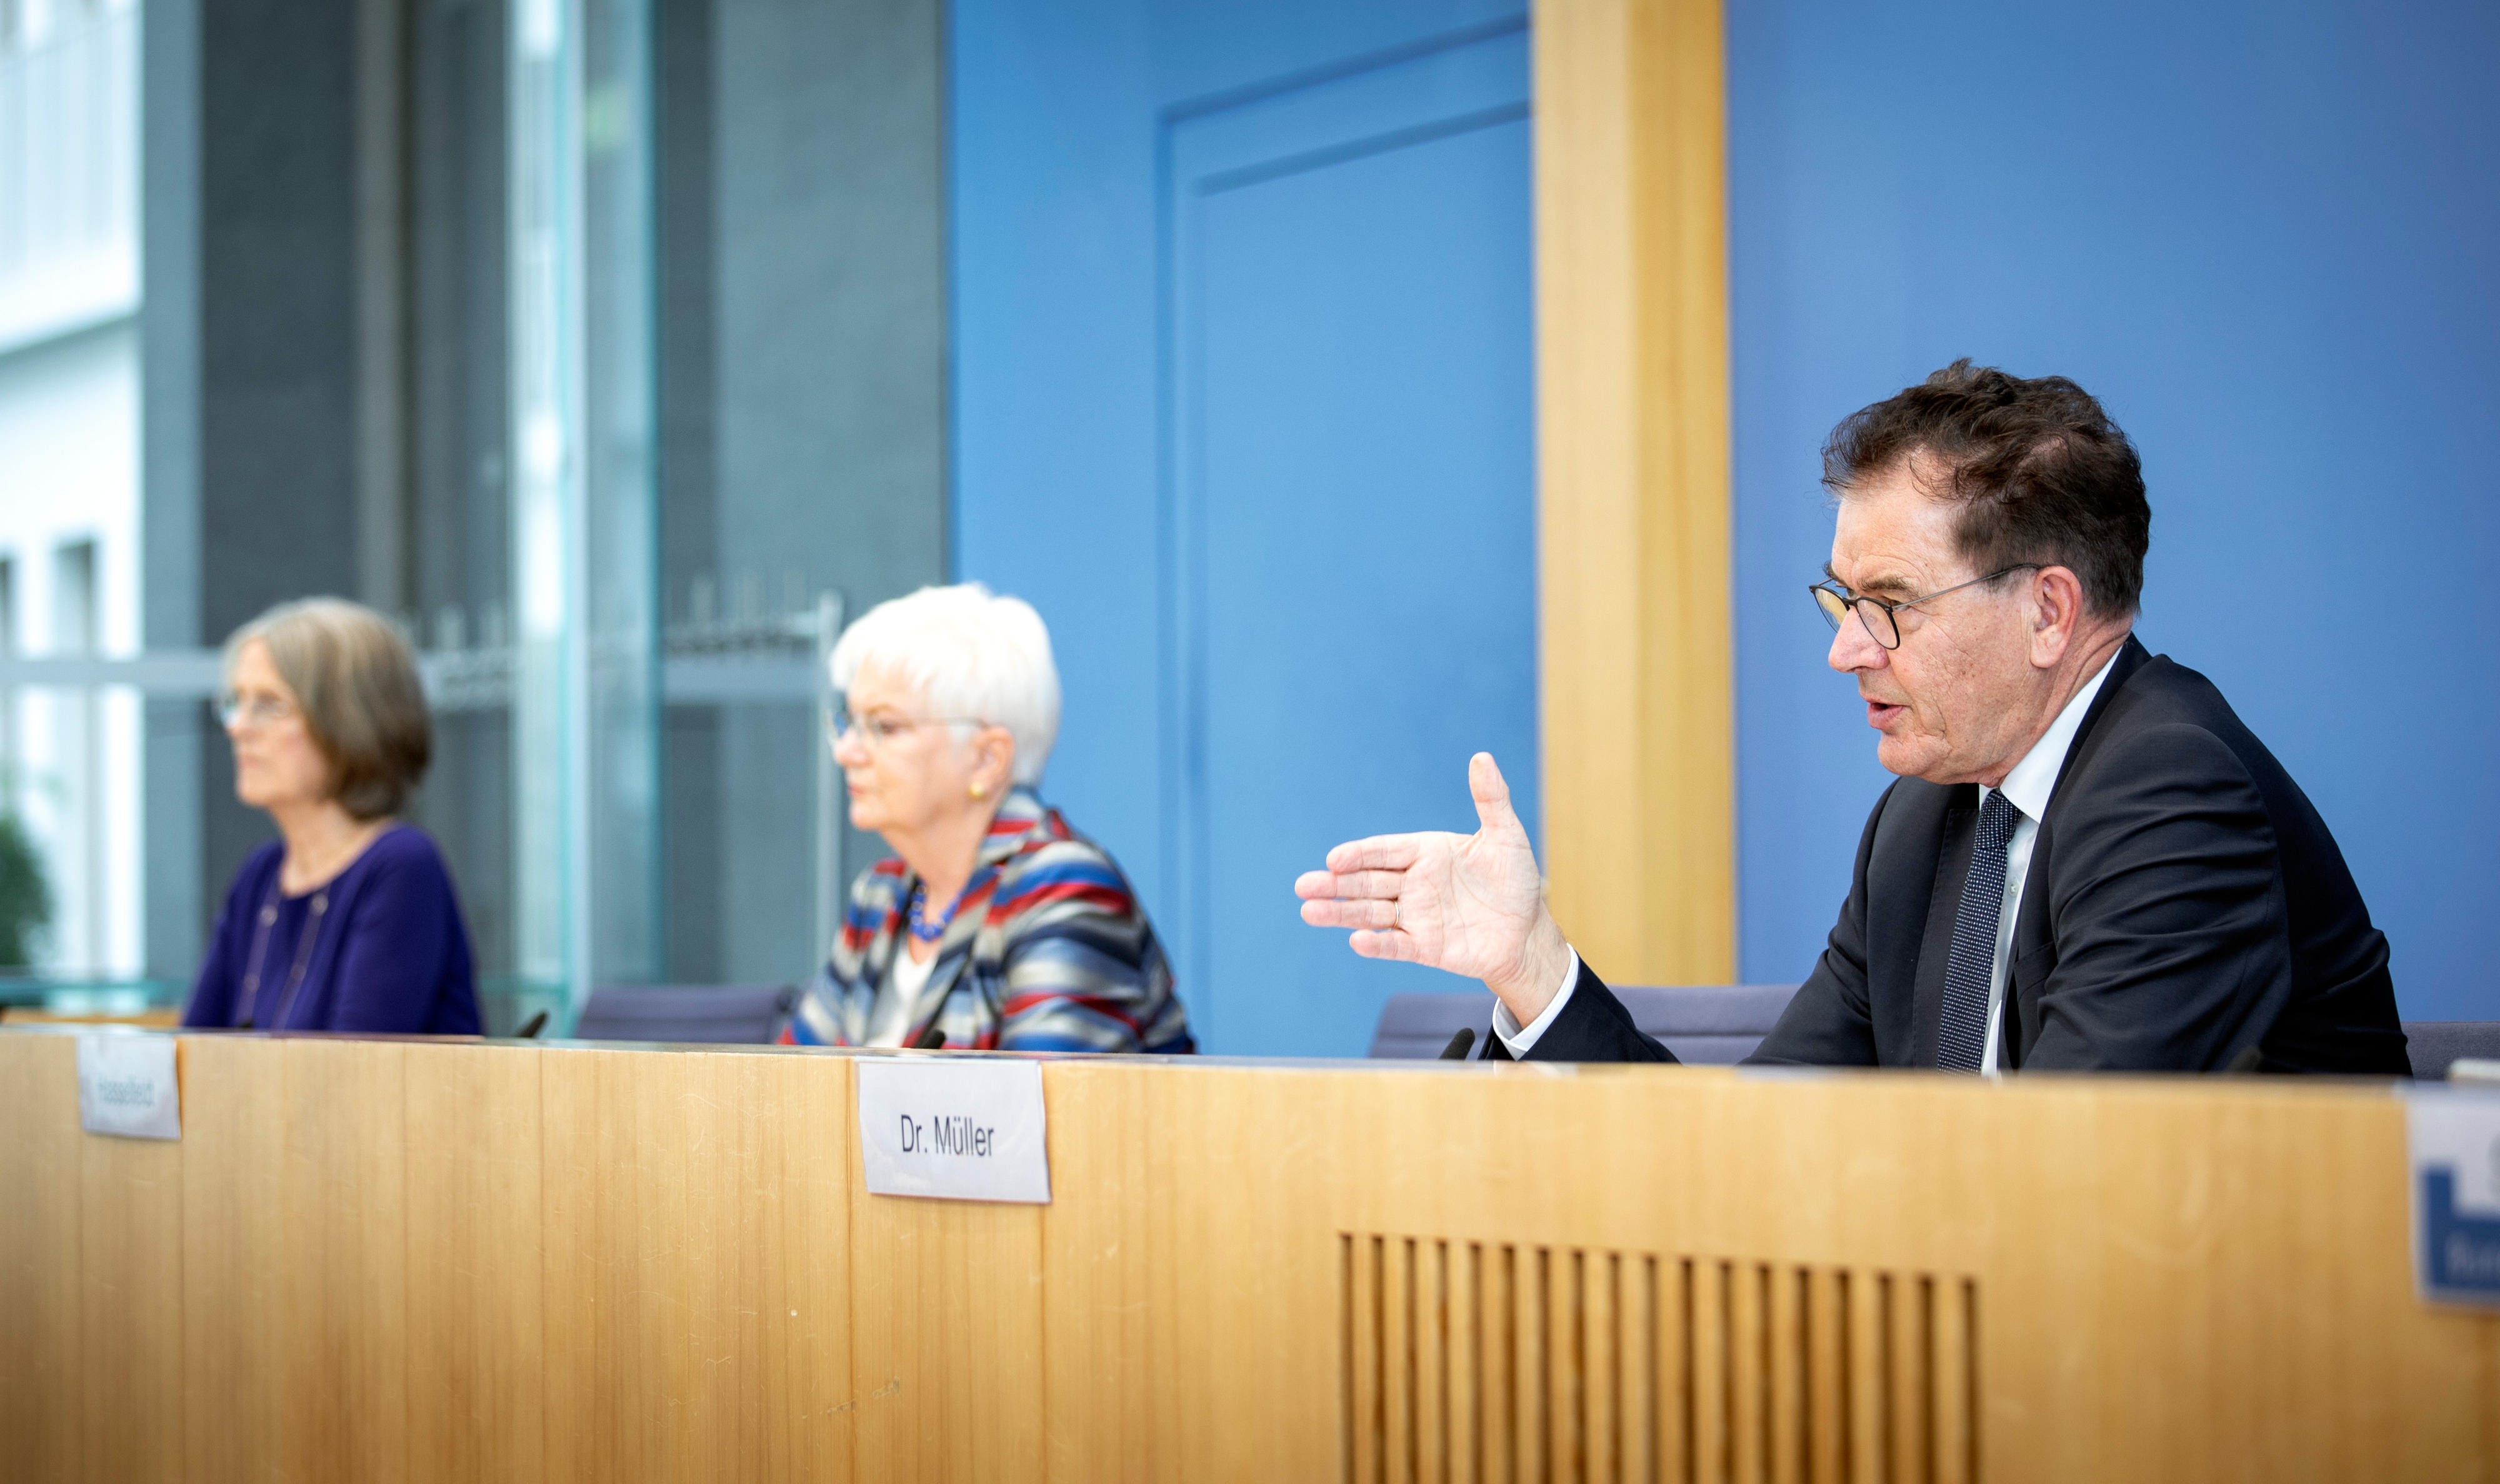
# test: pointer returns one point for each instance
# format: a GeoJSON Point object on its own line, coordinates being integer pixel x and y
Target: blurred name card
{"type": "Point", "coordinates": [2455, 1138]}
{"type": "Point", "coordinates": [953, 1128]}
{"type": "Point", "coordinates": [126, 1085]}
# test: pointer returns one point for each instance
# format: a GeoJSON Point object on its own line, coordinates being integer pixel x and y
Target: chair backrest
{"type": "Point", "coordinates": [717, 1015]}
{"type": "Point", "coordinates": [1707, 1026]}
{"type": "Point", "coordinates": [2434, 1043]}
{"type": "Point", "coordinates": [1719, 1025]}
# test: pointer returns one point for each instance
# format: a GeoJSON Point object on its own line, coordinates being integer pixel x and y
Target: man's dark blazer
{"type": "Point", "coordinates": [2184, 903]}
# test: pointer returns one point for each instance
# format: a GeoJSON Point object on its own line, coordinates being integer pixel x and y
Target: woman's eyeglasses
{"type": "Point", "coordinates": [237, 711]}
{"type": "Point", "coordinates": [877, 729]}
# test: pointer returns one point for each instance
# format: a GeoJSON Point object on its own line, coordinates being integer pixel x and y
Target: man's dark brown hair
{"type": "Point", "coordinates": [2040, 471]}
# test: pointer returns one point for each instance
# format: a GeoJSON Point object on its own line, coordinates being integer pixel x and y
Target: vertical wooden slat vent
{"type": "Point", "coordinates": [1478, 1363]}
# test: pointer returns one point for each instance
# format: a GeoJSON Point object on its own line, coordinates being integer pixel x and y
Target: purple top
{"type": "Point", "coordinates": [381, 949]}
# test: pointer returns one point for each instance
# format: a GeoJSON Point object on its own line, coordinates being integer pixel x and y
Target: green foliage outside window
{"type": "Point", "coordinates": [25, 898]}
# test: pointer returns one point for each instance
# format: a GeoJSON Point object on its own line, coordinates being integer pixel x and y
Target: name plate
{"type": "Point", "coordinates": [2455, 1139]}
{"type": "Point", "coordinates": [956, 1129]}
{"type": "Point", "coordinates": [127, 1086]}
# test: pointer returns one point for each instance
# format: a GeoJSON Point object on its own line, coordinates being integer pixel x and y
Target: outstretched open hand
{"type": "Point", "coordinates": [1470, 904]}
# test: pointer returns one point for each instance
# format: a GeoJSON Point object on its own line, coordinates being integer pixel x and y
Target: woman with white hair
{"type": "Point", "coordinates": [995, 925]}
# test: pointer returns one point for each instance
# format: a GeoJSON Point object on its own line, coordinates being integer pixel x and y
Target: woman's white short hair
{"type": "Point", "coordinates": [971, 654]}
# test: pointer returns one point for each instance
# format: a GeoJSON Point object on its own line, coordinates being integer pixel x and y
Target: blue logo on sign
{"type": "Point", "coordinates": [2460, 1252]}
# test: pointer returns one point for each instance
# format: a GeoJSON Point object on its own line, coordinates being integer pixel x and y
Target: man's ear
{"type": "Point", "coordinates": [2056, 612]}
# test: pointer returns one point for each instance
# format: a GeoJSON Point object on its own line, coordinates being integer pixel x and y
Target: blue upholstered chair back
{"type": "Point", "coordinates": [2434, 1043]}
{"type": "Point", "coordinates": [1709, 1025]}
{"type": "Point", "coordinates": [718, 1014]}
{"type": "Point", "coordinates": [1723, 1023]}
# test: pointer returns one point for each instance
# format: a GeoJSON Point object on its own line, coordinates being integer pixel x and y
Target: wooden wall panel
{"type": "Point", "coordinates": [130, 1291]}
{"type": "Point", "coordinates": [475, 1306]}
{"type": "Point", "coordinates": [234, 1258]}
{"type": "Point", "coordinates": [946, 1340]}
{"type": "Point", "coordinates": [496, 1260]}
{"type": "Point", "coordinates": [734, 1254]}
{"type": "Point", "coordinates": [1636, 656]}
{"type": "Point", "coordinates": [570, 1269]}
{"type": "Point", "coordinates": [1256, 1299]}
{"type": "Point", "coordinates": [643, 1362]}
{"type": "Point", "coordinates": [707, 1335]}
{"type": "Point", "coordinates": [342, 1138]}
{"type": "Point", "coordinates": [42, 1405]}
{"type": "Point", "coordinates": [1102, 1307]}
{"type": "Point", "coordinates": [803, 1170]}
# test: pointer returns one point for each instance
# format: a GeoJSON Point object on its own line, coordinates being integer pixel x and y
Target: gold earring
{"type": "Point", "coordinates": [979, 792]}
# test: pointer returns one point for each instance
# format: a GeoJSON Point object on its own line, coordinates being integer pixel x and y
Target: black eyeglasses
{"type": "Point", "coordinates": [1834, 603]}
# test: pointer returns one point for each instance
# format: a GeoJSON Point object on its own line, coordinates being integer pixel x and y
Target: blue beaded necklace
{"type": "Point", "coordinates": [921, 928]}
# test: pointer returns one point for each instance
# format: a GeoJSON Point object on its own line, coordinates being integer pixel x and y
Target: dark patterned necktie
{"type": "Point", "coordinates": [1962, 1035]}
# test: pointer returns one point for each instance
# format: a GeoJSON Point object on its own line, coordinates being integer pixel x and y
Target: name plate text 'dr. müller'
{"type": "Point", "coordinates": [127, 1086]}
{"type": "Point", "coordinates": [954, 1128]}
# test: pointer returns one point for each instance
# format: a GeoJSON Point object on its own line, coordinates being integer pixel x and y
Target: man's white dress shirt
{"type": "Point", "coordinates": [2026, 786]}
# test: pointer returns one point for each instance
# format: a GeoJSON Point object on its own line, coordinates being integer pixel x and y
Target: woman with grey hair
{"type": "Point", "coordinates": [994, 925]}
{"type": "Point", "coordinates": [348, 921]}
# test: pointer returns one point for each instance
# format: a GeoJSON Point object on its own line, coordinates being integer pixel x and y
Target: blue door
{"type": "Point", "coordinates": [1338, 579]}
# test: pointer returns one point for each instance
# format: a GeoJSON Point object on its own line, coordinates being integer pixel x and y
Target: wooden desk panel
{"type": "Point", "coordinates": [232, 1294]}
{"type": "Point", "coordinates": [465, 1261]}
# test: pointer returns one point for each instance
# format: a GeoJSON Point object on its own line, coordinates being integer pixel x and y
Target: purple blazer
{"type": "Point", "coordinates": [381, 949]}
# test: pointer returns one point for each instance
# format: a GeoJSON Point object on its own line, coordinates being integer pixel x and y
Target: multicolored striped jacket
{"type": "Point", "coordinates": [1048, 951]}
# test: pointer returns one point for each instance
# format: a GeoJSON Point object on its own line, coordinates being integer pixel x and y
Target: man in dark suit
{"type": "Point", "coordinates": [2087, 862]}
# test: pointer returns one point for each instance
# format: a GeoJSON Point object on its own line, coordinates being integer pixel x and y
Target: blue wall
{"type": "Point", "coordinates": [1351, 353]}
{"type": "Point", "coordinates": [2264, 236]}
{"type": "Point", "coordinates": [1056, 110]}
{"type": "Point", "coordinates": [2268, 238]}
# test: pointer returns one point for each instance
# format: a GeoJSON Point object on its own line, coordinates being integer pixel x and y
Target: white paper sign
{"type": "Point", "coordinates": [956, 1128]}
{"type": "Point", "coordinates": [126, 1085]}
{"type": "Point", "coordinates": [2456, 1180]}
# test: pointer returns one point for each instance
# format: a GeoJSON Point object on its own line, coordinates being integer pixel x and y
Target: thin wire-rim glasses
{"type": "Point", "coordinates": [878, 731]}
{"type": "Point", "coordinates": [1833, 601]}
{"type": "Point", "coordinates": [238, 711]}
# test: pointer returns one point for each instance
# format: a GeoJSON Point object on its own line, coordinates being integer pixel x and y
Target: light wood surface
{"type": "Point", "coordinates": [1635, 646]}
{"type": "Point", "coordinates": [160, 1018]}
{"type": "Point", "coordinates": [401, 1260]}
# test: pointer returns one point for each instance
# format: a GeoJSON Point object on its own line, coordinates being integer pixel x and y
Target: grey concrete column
{"type": "Point", "coordinates": [803, 401]}
{"type": "Point", "coordinates": [176, 907]}
{"type": "Point", "coordinates": [258, 426]}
